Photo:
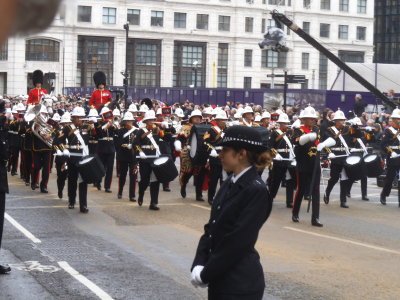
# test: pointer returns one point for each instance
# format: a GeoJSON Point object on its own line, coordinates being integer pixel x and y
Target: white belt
{"type": "Point", "coordinates": [13, 132]}
{"type": "Point", "coordinates": [77, 147]}
{"type": "Point", "coordinates": [93, 142]}
{"type": "Point", "coordinates": [394, 147]}
{"type": "Point", "coordinates": [218, 148]}
{"type": "Point", "coordinates": [106, 139]}
{"type": "Point", "coordinates": [147, 147]}
{"type": "Point", "coordinates": [357, 150]}
{"type": "Point", "coordinates": [283, 150]}
{"type": "Point", "coordinates": [339, 149]}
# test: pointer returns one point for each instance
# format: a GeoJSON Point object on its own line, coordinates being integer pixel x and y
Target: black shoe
{"type": "Point", "coordinates": [119, 196]}
{"type": "Point", "coordinates": [71, 206]}
{"type": "Point", "coordinates": [210, 202]}
{"type": "Point", "coordinates": [84, 210]}
{"type": "Point", "coordinates": [27, 183]}
{"type": "Point", "coordinates": [343, 205]}
{"type": "Point", "coordinates": [14, 173]}
{"type": "Point", "coordinates": [166, 189]}
{"type": "Point", "coordinates": [295, 219]}
{"type": "Point", "coordinates": [132, 199]}
{"type": "Point", "coordinates": [383, 200]}
{"type": "Point", "coordinates": [365, 198]}
{"type": "Point", "coordinates": [199, 198]}
{"type": "Point", "coordinates": [154, 207]}
{"type": "Point", "coordinates": [326, 199]}
{"type": "Point", "coordinates": [183, 192]}
{"type": "Point", "coordinates": [108, 191]}
{"type": "Point", "coordinates": [4, 269]}
{"type": "Point", "coordinates": [289, 205]}
{"type": "Point", "coordinates": [33, 186]}
{"type": "Point", "coordinates": [44, 190]}
{"type": "Point", "coordinates": [316, 222]}
{"type": "Point", "coordinates": [348, 195]}
{"type": "Point", "coordinates": [98, 186]}
{"type": "Point", "coordinates": [60, 194]}
{"type": "Point", "coordinates": [140, 200]}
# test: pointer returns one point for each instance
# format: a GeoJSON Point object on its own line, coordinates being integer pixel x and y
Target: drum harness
{"type": "Point", "coordinates": [289, 144]}
{"type": "Point", "coordinates": [396, 134]}
{"type": "Point", "coordinates": [153, 142]}
{"type": "Point", "coordinates": [341, 138]}
{"type": "Point", "coordinates": [80, 139]}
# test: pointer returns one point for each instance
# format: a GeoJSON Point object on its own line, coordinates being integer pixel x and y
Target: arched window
{"type": "Point", "coordinates": [42, 50]}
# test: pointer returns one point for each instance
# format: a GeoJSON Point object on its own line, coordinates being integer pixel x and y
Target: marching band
{"type": "Point", "coordinates": [135, 139]}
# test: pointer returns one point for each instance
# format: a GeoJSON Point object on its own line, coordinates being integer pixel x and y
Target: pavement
{"type": "Point", "coordinates": [122, 251]}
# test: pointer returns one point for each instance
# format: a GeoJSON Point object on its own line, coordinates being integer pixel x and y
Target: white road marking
{"type": "Point", "coordinates": [200, 206]}
{"type": "Point", "coordinates": [86, 282]}
{"type": "Point", "coordinates": [345, 241]}
{"type": "Point", "coordinates": [35, 266]}
{"type": "Point", "coordinates": [22, 229]}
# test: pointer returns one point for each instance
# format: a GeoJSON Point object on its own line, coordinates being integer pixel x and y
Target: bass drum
{"type": "Point", "coordinates": [373, 165]}
{"type": "Point", "coordinates": [354, 167]}
{"type": "Point", "coordinates": [198, 151]}
{"type": "Point", "coordinates": [164, 169]}
{"type": "Point", "coordinates": [91, 169]}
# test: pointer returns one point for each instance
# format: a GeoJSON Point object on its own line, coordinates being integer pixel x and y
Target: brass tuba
{"type": "Point", "coordinates": [40, 128]}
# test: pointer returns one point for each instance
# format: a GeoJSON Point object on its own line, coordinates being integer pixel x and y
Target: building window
{"type": "Point", "coordinates": [362, 6]}
{"type": "Point", "coordinates": [343, 32]}
{"type": "Point", "coordinates": [305, 61]}
{"type": "Point", "coordinates": [326, 4]}
{"type": "Point", "coordinates": [133, 17]}
{"type": "Point", "coordinates": [144, 62]}
{"type": "Point", "coordinates": [263, 26]}
{"type": "Point", "coordinates": [351, 56]}
{"type": "Point", "coordinates": [344, 5]}
{"type": "Point", "coordinates": [306, 3]}
{"type": "Point", "coordinates": [4, 51]}
{"type": "Point", "coordinates": [157, 18]}
{"type": "Point", "coordinates": [323, 72]}
{"type": "Point", "coordinates": [276, 2]}
{"type": "Point", "coordinates": [109, 15]}
{"type": "Point", "coordinates": [202, 22]}
{"type": "Point", "coordinates": [179, 20]}
{"type": "Point", "coordinates": [224, 23]}
{"type": "Point", "coordinates": [248, 57]}
{"type": "Point", "coordinates": [189, 64]}
{"type": "Point", "coordinates": [306, 27]}
{"type": "Point", "coordinates": [222, 77]}
{"type": "Point", "coordinates": [84, 14]}
{"type": "Point", "coordinates": [94, 54]}
{"type": "Point", "coordinates": [247, 83]}
{"type": "Point", "coordinates": [271, 23]}
{"type": "Point", "coordinates": [42, 50]}
{"type": "Point", "coordinates": [249, 22]}
{"type": "Point", "coordinates": [361, 33]}
{"type": "Point", "coordinates": [272, 59]}
{"type": "Point", "coordinates": [324, 30]}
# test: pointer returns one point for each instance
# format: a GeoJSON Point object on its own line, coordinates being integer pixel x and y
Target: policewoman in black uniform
{"type": "Point", "coordinates": [226, 260]}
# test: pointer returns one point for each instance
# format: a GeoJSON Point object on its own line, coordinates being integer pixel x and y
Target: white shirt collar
{"type": "Point", "coordinates": [236, 178]}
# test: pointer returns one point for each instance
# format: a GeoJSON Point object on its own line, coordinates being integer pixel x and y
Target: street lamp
{"type": "Point", "coordinates": [125, 74]}
{"type": "Point", "coordinates": [285, 88]}
{"type": "Point", "coordinates": [195, 63]}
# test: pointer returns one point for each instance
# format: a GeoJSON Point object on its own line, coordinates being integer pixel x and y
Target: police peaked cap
{"type": "Point", "coordinates": [243, 137]}
{"type": "Point", "coordinates": [37, 77]}
{"type": "Point", "coordinates": [99, 78]}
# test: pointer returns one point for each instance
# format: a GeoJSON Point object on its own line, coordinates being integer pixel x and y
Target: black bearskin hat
{"type": "Point", "coordinates": [148, 102]}
{"type": "Point", "coordinates": [37, 77]}
{"type": "Point", "coordinates": [99, 78]}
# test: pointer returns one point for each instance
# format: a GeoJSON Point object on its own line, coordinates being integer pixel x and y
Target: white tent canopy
{"type": "Point", "coordinates": [383, 76]}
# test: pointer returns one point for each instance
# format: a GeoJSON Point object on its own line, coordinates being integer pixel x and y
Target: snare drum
{"type": "Point", "coordinates": [373, 165]}
{"type": "Point", "coordinates": [198, 151]}
{"type": "Point", "coordinates": [164, 169]}
{"type": "Point", "coordinates": [354, 167]}
{"type": "Point", "coordinates": [91, 169]}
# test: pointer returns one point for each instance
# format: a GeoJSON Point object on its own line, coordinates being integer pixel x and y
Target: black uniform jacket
{"type": "Point", "coordinates": [106, 139]}
{"type": "Point", "coordinates": [212, 140]}
{"type": "Point", "coordinates": [277, 143]}
{"type": "Point", "coordinates": [125, 144]}
{"type": "Point", "coordinates": [3, 155]}
{"type": "Point", "coordinates": [305, 154]}
{"type": "Point", "coordinates": [226, 249]}
{"type": "Point", "coordinates": [390, 142]}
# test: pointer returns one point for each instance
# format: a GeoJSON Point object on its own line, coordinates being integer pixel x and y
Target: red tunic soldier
{"type": "Point", "coordinates": [36, 94]}
{"type": "Point", "coordinates": [100, 96]}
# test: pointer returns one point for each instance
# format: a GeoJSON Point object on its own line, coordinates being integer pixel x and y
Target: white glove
{"type": "Point", "coordinates": [178, 146]}
{"type": "Point", "coordinates": [59, 153]}
{"type": "Point", "coordinates": [196, 279]}
{"type": "Point", "coordinates": [309, 137]}
{"type": "Point", "coordinates": [353, 150]}
{"type": "Point", "coordinates": [142, 155]}
{"type": "Point", "coordinates": [331, 156]}
{"type": "Point", "coordinates": [129, 146]}
{"type": "Point", "coordinates": [394, 155]}
{"type": "Point", "coordinates": [213, 153]}
{"type": "Point", "coordinates": [278, 157]}
{"type": "Point", "coordinates": [320, 147]}
{"type": "Point", "coordinates": [66, 153]}
{"type": "Point", "coordinates": [165, 124]}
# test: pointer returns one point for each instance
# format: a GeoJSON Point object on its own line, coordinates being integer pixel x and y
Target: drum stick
{"type": "Point", "coordinates": [71, 154]}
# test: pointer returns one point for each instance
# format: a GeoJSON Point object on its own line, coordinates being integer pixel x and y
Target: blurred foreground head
{"type": "Point", "coordinates": [22, 17]}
